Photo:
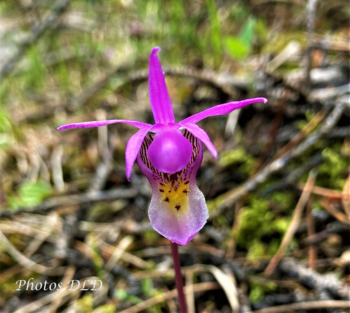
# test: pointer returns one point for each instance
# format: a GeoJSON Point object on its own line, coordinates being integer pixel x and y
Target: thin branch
{"type": "Point", "coordinates": [311, 230]}
{"type": "Point", "coordinates": [288, 236]}
{"type": "Point", "coordinates": [27, 263]}
{"type": "Point", "coordinates": [314, 280]}
{"type": "Point", "coordinates": [119, 193]}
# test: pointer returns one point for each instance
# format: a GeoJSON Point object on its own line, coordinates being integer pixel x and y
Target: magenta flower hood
{"type": "Point", "coordinates": [169, 154]}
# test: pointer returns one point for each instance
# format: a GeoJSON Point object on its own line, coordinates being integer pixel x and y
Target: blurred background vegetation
{"type": "Point", "coordinates": [72, 61]}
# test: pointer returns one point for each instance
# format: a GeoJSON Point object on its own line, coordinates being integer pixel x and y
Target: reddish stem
{"type": "Point", "coordinates": [178, 277]}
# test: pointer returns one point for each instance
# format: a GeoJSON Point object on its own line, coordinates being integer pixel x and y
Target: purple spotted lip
{"type": "Point", "coordinates": [169, 154]}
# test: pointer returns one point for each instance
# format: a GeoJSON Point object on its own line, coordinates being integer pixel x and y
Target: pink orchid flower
{"type": "Point", "coordinates": [169, 154]}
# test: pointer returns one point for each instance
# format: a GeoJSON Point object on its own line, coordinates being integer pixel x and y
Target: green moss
{"type": "Point", "coordinates": [258, 222]}
{"type": "Point", "coordinates": [331, 170]}
{"type": "Point", "coordinates": [258, 289]}
{"type": "Point", "coordinates": [85, 304]}
{"type": "Point", "coordinates": [238, 156]}
{"type": "Point", "coordinates": [29, 194]}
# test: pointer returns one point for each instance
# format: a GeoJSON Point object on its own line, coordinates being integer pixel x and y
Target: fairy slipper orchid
{"type": "Point", "coordinates": [169, 154]}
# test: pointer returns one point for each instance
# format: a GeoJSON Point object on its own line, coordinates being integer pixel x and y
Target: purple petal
{"type": "Point", "coordinates": [202, 136]}
{"type": "Point", "coordinates": [158, 92]}
{"type": "Point", "coordinates": [177, 210]}
{"type": "Point", "coordinates": [103, 123]}
{"type": "Point", "coordinates": [170, 151]}
{"type": "Point", "coordinates": [221, 109]}
{"type": "Point", "coordinates": [132, 149]}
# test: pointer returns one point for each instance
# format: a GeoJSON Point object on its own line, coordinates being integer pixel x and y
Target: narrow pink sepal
{"type": "Point", "coordinates": [132, 149]}
{"type": "Point", "coordinates": [221, 109]}
{"type": "Point", "coordinates": [104, 123]}
{"type": "Point", "coordinates": [158, 92]}
{"type": "Point", "coordinates": [198, 132]}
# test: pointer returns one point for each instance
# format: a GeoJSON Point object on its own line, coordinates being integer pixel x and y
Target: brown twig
{"type": "Point", "coordinates": [328, 193]}
{"type": "Point", "coordinates": [314, 280]}
{"type": "Point", "coordinates": [48, 227]}
{"type": "Point", "coordinates": [69, 200]}
{"type": "Point", "coordinates": [311, 231]}
{"type": "Point", "coordinates": [297, 139]}
{"type": "Point", "coordinates": [27, 263]}
{"type": "Point", "coordinates": [190, 293]}
{"type": "Point", "coordinates": [293, 224]}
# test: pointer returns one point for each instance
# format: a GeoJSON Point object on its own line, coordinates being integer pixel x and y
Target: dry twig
{"type": "Point", "coordinates": [293, 224]}
{"type": "Point", "coordinates": [74, 199]}
{"type": "Point", "coordinates": [27, 263]}
{"type": "Point", "coordinates": [310, 232]}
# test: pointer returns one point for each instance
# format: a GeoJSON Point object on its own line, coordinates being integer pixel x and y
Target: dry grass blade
{"type": "Point", "coordinates": [27, 263]}
{"type": "Point", "coordinates": [190, 293]}
{"type": "Point", "coordinates": [169, 295]}
{"type": "Point", "coordinates": [9, 273]}
{"type": "Point", "coordinates": [309, 305]}
{"type": "Point", "coordinates": [118, 193]}
{"type": "Point", "coordinates": [227, 285]}
{"type": "Point", "coordinates": [310, 232]}
{"type": "Point", "coordinates": [48, 227]}
{"type": "Point", "coordinates": [320, 191]}
{"type": "Point", "coordinates": [66, 278]}
{"type": "Point", "coordinates": [298, 138]}
{"type": "Point", "coordinates": [293, 224]}
{"type": "Point", "coordinates": [15, 227]}
{"type": "Point", "coordinates": [124, 243]}
{"type": "Point", "coordinates": [125, 256]}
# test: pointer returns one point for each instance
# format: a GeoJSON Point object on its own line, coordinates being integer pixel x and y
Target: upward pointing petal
{"type": "Point", "coordinates": [221, 109]}
{"type": "Point", "coordinates": [132, 149]}
{"type": "Point", "coordinates": [158, 92]}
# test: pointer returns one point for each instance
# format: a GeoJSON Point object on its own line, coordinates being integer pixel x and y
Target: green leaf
{"type": "Point", "coordinates": [30, 194]}
{"type": "Point", "coordinates": [147, 287]}
{"type": "Point", "coordinates": [236, 48]}
{"type": "Point", "coordinates": [248, 31]}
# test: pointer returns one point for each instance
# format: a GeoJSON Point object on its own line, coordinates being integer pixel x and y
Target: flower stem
{"type": "Point", "coordinates": [178, 277]}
